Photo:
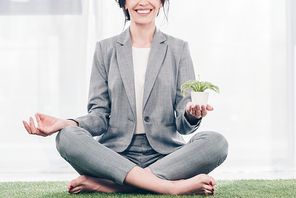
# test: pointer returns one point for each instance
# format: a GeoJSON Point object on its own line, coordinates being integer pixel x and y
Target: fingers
{"type": "Point", "coordinates": [204, 111]}
{"type": "Point", "coordinates": [27, 127]}
{"type": "Point", "coordinates": [38, 120]}
{"type": "Point", "coordinates": [210, 108]}
{"type": "Point", "coordinates": [196, 111]}
{"type": "Point", "coordinates": [34, 130]}
{"type": "Point", "coordinates": [40, 125]}
{"type": "Point", "coordinates": [193, 110]}
{"type": "Point", "coordinates": [31, 128]}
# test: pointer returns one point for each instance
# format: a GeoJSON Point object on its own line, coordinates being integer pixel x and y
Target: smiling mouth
{"type": "Point", "coordinates": [143, 11]}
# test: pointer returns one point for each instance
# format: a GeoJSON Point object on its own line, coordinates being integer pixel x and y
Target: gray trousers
{"type": "Point", "coordinates": [204, 152]}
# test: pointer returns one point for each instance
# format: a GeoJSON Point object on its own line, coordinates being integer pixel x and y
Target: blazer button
{"type": "Point", "coordinates": [147, 119]}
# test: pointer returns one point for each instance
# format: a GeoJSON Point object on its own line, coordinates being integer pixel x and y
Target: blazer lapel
{"type": "Point", "coordinates": [157, 54]}
{"type": "Point", "coordinates": [125, 64]}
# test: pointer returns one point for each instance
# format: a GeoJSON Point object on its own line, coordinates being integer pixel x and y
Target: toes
{"type": "Point", "coordinates": [70, 187]}
{"type": "Point", "coordinates": [75, 183]}
{"type": "Point", "coordinates": [212, 181]}
{"type": "Point", "coordinates": [76, 190]}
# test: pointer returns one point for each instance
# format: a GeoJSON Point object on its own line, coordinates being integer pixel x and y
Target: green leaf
{"type": "Point", "coordinates": [198, 86]}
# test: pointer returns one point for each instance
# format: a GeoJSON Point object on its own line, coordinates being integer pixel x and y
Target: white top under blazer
{"type": "Point", "coordinates": [140, 61]}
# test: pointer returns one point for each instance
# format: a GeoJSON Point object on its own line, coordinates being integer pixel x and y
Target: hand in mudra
{"type": "Point", "coordinates": [47, 125]}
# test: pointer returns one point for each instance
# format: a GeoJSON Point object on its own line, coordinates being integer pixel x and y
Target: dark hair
{"type": "Point", "coordinates": [121, 4]}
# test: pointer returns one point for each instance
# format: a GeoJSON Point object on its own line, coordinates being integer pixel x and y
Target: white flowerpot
{"type": "Point", "coordinates": [200, 98]}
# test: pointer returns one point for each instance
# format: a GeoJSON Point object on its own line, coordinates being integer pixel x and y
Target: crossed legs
{"type": "Point", "coordinates": [106, 171]}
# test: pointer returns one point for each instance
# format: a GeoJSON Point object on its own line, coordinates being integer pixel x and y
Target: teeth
{"type": "Point", "coordinates": [143, 11]}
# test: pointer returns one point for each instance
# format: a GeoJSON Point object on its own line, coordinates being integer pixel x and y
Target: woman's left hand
{"type": "Point", "coordinates": [197, 111]}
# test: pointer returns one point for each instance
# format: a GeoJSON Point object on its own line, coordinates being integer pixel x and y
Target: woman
{"type": "Point", "coordinates": [137, 110]}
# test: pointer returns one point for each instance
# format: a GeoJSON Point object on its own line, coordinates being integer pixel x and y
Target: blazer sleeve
{"type": "Point", "coordinates": [185, 73]}
{"type": "Point", "coordinates": [97, 120]}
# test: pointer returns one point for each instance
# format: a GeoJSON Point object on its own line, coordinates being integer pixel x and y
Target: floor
{"type": "Point", "coordinates": [12, 177]}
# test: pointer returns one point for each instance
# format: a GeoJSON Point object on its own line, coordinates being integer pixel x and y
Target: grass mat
{"type": "Point", "coordinates": [235, 188]}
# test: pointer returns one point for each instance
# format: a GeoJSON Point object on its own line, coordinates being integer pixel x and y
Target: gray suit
{"type": "Point", "coordinates": [112, 117]}
{"type": "Point", "coordinates": [112, 105]}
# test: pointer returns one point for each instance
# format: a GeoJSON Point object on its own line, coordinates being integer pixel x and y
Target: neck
{"type": "Point", "coordinates": [142, 35]}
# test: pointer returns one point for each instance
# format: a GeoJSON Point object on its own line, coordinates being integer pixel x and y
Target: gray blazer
{"type": "Point", "coordinates": [112, 106]}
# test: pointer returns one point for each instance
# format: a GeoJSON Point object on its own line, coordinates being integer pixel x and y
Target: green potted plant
{"type": "Point", "coordinates": [198, 94]}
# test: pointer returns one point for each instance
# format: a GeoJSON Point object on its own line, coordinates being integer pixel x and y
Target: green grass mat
{"type": "Point", "coordinates": [236, 188]}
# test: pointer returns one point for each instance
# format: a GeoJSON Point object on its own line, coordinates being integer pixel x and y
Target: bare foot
{"type": "Point", "coordinates": [86, 183]}
{"type": "Point", "coordinates": [200, 184]}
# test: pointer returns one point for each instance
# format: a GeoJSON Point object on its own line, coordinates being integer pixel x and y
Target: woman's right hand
{"type": "Point", "coordinates": [47, 125]}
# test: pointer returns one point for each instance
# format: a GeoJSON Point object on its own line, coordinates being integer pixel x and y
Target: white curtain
{"type": "Point", "coordinates": [243, 46]}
